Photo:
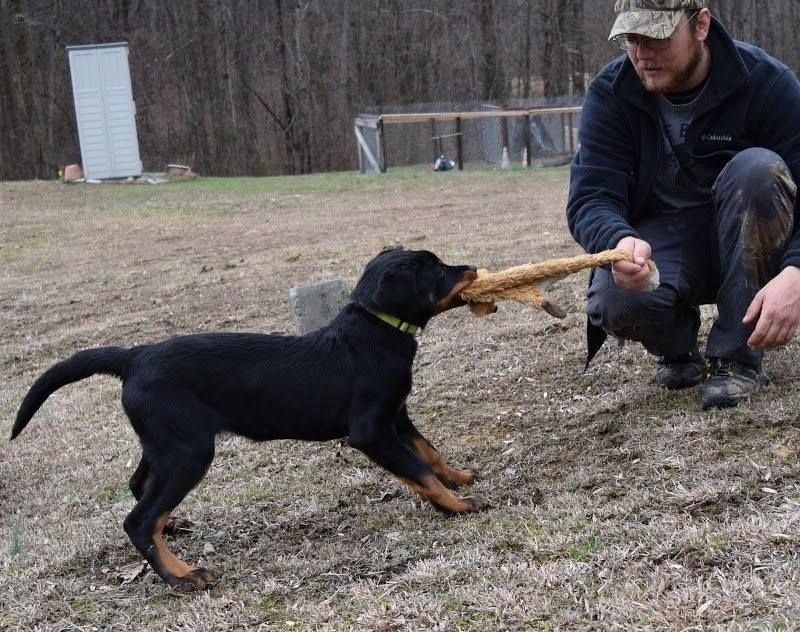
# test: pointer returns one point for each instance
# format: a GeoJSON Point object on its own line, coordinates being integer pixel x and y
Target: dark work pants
{"type": "Point", "coordinates": [721, 255]}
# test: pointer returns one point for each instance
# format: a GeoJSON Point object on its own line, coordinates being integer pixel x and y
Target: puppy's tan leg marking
{"type": "Point", "coordinates": [432, 490]}
{"type": "Point", "coordinates": [447, 474]}
{"type": "Point", "coordinates": [175, 571]}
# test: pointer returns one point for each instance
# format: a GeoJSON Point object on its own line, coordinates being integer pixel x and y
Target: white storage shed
{"type": "Point", "coordinates": [105, 110]}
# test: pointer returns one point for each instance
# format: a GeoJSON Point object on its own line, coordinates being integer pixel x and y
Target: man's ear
{"type": "Point", "coordinates": [703, 24]}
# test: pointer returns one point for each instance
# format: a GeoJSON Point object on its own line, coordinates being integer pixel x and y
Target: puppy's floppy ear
{"type": "Point", "coordinates": [394, 287]}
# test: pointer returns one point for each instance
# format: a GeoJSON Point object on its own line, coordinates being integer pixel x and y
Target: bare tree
{"type": "Point", "coordinates": [271, 86]}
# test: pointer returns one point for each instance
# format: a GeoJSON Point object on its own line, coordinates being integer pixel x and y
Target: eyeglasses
{"type": "Point", "coordinates": [630, 42]}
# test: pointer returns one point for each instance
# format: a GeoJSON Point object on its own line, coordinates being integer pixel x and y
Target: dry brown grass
{"type": "Point", "coordinates": [616, 505]}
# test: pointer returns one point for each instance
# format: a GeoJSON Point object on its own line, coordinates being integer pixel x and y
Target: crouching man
{"type": "Point", "coordinates": [689, 155]}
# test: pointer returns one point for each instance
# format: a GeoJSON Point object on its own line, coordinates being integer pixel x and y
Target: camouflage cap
{"type": "Point", "coordinates": [651, 18]}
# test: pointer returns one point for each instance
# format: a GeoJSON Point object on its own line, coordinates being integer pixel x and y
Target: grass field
{"type": "Point", "coordinates": [615, 505]}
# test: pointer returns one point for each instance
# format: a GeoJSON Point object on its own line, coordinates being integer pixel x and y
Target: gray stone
{"type": "Point", "coordinates": [315, 305]}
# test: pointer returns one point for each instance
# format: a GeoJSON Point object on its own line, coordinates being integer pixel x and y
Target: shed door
{"type": "Point", "coordinates": [104, 108]}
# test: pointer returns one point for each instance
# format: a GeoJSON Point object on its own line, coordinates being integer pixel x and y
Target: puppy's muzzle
{"type": "Point", "coordinates": [453, 299]}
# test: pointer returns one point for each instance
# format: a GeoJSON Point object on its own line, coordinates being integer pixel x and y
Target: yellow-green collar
{"type": "Point", "coordinates": [395, 322]}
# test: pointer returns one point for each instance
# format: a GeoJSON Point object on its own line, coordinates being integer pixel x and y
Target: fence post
{"type": "Point", "coordinates": [361, 168]}
{"type": "Point", "coordinates": [381, 147]}
{"type": "Point", "coordinates": [504, 132]}
{"type": "Point", "coordinates": [526, 134]}
{"type": "Point", "coordinates": [435, 141]}
{"type": "Point", "coordinates": [571, 138]}
{"type": "Point", "coordinates": [459, 145]}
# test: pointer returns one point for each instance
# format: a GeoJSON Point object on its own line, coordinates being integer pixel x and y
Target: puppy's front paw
{"type": "Point", "coordinates": [470, 476]}
{"type": "Point", "coordinates": [476, 502]}
{"type": "Point", "coordinates": [175, 526]}
{"type": "Point", "coordinates": [196, 579]}
{"type": "Point", "coordinates": [456, 478]}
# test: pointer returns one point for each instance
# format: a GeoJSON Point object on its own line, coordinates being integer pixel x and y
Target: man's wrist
{"type": "Point", "coordinates": [792, 270]}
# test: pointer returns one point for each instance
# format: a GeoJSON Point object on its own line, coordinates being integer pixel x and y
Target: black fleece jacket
{"type": "Point", "coordinates": [751, 100]}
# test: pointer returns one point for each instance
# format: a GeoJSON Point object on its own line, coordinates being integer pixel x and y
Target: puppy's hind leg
{"type": "Point", "coordinates": [140, 478]}
{"type": "Point", "coordinates": [138, 483]}
{"type": "Point", "coordinates": [172, 476]}
{"type": "Point", "coordinates": [450, 476]}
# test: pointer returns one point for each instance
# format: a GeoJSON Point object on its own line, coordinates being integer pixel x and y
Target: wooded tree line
{"type": "Point", "coordinates": [256, 87]}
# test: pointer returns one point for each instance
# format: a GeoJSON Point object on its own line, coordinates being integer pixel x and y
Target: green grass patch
{"type": "Point", "coordinates": [15, 542]}
{"type": "Point", "coordinates": [270, 608]}
{"type": "Point", "coordinates": [118, 493]}
{"type": "Point", "coordinates": [584, 549]}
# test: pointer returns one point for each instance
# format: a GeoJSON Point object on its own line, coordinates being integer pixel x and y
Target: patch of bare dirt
{"type": "Point", "coordinates": [615, 505]}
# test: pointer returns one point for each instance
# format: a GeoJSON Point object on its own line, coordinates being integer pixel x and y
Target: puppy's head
{"type": "Point", "coordinates": [413, 285]}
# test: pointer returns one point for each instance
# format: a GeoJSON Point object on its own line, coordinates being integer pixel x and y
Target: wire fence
{"type": "Point", "coordinates": [533, 133]}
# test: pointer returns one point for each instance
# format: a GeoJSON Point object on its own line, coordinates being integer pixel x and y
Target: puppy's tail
{"type": "Point", "coordinates": [106, 360]}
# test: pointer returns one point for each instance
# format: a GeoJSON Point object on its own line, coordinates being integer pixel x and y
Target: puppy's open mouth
{"type": "Point", "coordinates": [453, 299]}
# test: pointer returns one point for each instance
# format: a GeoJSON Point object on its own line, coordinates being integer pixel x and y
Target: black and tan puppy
{"type": "Point", "coordinates": [350, 378]}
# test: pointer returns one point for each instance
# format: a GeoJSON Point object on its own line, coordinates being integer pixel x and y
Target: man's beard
{"type": "Point", "coordinates": [678, 80]}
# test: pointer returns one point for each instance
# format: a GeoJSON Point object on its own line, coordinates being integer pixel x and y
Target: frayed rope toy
{"type": "Point", "coordinates": [527, 283]}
